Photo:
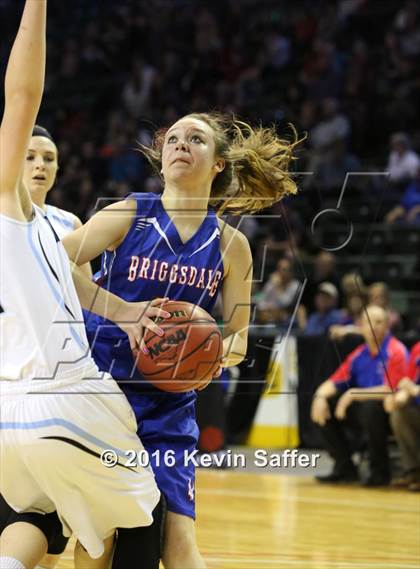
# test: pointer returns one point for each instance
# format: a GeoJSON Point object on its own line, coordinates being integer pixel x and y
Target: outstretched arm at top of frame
{"type": "Point", "coordinates": [24, 84]}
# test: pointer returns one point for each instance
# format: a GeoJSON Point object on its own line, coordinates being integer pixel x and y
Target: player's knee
{"type": "Point", "coordinates": [82, 559]}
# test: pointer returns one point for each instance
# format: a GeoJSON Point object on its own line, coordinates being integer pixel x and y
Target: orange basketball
{"type": "Point", "coordinates": [189, 353]}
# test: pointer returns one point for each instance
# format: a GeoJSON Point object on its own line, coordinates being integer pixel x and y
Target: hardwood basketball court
{"type": "Point", "coordinates": [261, 521]}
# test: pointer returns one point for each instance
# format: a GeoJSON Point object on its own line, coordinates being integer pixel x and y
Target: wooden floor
{"type": "Point", "coordinates": [261, 521]}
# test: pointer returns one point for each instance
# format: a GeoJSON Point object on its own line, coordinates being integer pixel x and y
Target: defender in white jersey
{"type": "Point", "coordinates": [58, 413]}
{"type": "Point", "coordinates": [39, 176]}
{"type": "Point", "coordinates": [50, 441]}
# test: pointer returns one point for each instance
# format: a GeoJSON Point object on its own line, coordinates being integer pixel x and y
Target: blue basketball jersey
{"type": "Point", "coordinates": [151, 262]}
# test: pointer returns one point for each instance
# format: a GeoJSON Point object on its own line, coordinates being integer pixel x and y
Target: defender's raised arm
{"type": "Point", "coordinates": [24, 84]}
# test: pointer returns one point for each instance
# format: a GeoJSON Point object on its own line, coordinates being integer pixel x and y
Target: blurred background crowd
{"type": "Point", "coordinates": [346, 72]}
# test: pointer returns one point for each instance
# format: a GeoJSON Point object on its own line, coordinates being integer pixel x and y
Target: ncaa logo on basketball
{"type": "Point", "coordinates": [168, 344]}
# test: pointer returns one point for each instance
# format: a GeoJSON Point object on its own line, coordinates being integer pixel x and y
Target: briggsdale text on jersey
{"type": "Point", "coordinates": [261, 458]}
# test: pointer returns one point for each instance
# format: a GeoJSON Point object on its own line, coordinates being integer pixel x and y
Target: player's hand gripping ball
{"type": "Point", "coordinates": [189, 353]}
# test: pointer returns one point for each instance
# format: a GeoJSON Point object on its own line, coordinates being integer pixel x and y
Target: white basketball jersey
{"type": "Point", "coordinates": [61, 220]}
{"type": "Point", "coordinates": [42, 333]}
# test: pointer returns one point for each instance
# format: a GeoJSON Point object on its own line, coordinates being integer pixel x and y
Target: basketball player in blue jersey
{"type": "Point", "coordinates": [176, 245]}
{"type": "Point", "coordinates": [50, 443]}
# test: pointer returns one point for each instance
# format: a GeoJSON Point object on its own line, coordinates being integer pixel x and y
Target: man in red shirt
{"type": "Point", "coordinates": [353, 396]}
{"type": "Point", "coordinates": [404, 406]}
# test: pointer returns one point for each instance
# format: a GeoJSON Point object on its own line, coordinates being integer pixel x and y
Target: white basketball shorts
{"type": "Point", "coordinates": [51, 446]}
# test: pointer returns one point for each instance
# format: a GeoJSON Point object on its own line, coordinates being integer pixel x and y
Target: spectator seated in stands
{"type": "Point", "coordinates": [353, 397]}
{"type": "Point", "coordinates": [279, 295]}
{"type": "Point", "coordinates": [352, 285]}
{"type": "Point", "coordinates": [408, 210]}
{"type": "Point", "coordinates": [332, 128]}
{"type": "Point", "coordinates": [378, 295]}
{"type": "Point", "coordinates": [326, 313]}
{"type": "Point", "coordinates": [331, 132]}
{"type": "Point", "coordinates": [330, 171]}
{"type": "Point", "coordinates": [404, 406]}
{"type": "Point", "coordinates": [355, 298]}
{"type": "Point", "coordinates": [403, 162]}
{"type": "Point", "coordinates": [282, 234]}
{"type": "Point", "coordinates": [324, 269]}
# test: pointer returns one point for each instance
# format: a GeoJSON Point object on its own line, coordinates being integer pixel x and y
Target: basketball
{"type": "Point", "coordinates": [189, 353]}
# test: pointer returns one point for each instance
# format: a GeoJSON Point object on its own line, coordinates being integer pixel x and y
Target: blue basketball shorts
{"type": "Point", "coordinates": [168, 429]}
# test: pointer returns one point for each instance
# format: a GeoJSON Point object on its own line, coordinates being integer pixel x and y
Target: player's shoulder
{"type": "Point", "coordinates": [128, 205]}
{"type": "Point", "coordinates": [77, 222]}
{"type": "Point", "coordinates": [63, 214]}
{"type": "Point", "coordinates": [233, 238]}
{"type": "Point", "coordinates": [134, 202]}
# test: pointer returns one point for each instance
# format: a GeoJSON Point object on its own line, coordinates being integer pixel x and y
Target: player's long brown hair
{"type": "Point", "coordinates": [256, 174]}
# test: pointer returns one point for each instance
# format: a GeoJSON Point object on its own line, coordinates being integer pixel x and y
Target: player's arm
{"type": "Point", "coordinates": [105, 230]}
{"type": "Point", "coordinates": [86, 268]}
{"type": "Point", "coordinates": [132, 317]}
{"type": "Point", "coordinates": [24, 85]}
{"type": "Point", "coordinates": [236, 295]}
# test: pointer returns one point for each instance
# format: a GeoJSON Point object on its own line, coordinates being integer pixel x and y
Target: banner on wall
{"type": "Point", "coordinates": [276, 420]}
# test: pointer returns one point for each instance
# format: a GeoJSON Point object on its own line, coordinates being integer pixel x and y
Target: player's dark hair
{"type": "Point", "coordinates": [257, 161]}
{"type": "Point", "coordinates": [41, 131]}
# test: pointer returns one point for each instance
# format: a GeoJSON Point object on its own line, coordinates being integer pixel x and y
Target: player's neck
{"type": "Point", "coordinates": [175, 200]}
{"type": "Point", "coordinates": [38, 198]}
{"type": "Point", "coordinates": [25, 201]}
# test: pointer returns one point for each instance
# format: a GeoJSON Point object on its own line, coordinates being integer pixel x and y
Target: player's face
{"type": "Point", "coordinates": [40, 165]}
{"type": "Point", "coordinates": [188, 153]}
